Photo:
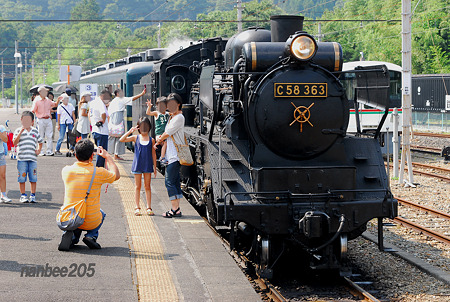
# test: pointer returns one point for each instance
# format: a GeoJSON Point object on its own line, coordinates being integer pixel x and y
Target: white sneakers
{"type": "Point", "coordinates": [23, 199]}
{"type": "Point", "coordinates": [5, 199]}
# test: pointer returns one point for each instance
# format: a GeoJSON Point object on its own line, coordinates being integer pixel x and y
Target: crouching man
{"type": "Point", "coordinates": [76, 183]}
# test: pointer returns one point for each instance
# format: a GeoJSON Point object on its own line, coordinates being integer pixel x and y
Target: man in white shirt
{"type": "Point", "coordinates": [116, 112]}
{"type": "Point", "coordinates": [99, 122]}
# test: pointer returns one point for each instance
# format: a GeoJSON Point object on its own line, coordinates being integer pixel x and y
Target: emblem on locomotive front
{"type": "Point", "coordinates": [301, 115]}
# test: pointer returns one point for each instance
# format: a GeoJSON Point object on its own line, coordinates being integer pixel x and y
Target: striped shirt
{"type": "Point", "coordinates": [76, 182]}
{"type": "Point", "coordinates": [28, 143]}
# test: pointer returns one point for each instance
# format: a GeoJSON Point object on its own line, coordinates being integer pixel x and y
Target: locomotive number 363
{"type": "Point", "coordinates": [300, 90]}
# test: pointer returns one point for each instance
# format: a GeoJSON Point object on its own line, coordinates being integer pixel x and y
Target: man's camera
{"type": "Point", "coordinates": [99, 124]}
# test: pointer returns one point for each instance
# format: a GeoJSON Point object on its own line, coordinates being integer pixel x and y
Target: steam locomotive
{"type": "Point", "coordinates": [266, 120]}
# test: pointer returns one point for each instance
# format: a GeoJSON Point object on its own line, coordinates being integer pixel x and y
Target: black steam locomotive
{"type": "Point", "coordinates": [266, 119]}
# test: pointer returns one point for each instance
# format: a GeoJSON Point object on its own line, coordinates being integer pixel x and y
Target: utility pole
{"type": "Point", "coordinates": [406, 93]}
{"type": "Point", "coordinates": [32, 72]}
{"type": "Point", "coordinates": [240, 8]}
{"type": "Point", "coordinates": [3, 85]}
{"type": "Point", "coordinates": [16, 87]}
{"type": "Point", "coordinates": [59, 59]}
{"type": "Point", "coordinates": [26, 60]}
{"type": "Point", "coordinates": [319, 35]}
{"type": "Point", "coordinates": [43, 72]}
{"type": "Point", "coordinates": [159, 35]}
{"type": "Point", "coordinates": [20, 70]}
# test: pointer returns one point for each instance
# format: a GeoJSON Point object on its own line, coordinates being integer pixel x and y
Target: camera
{"type": "Point", "coordinates": [99, 124]}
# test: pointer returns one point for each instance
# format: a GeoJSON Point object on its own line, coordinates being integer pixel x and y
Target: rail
{"type": "Point", "coordinates": [429, 134]}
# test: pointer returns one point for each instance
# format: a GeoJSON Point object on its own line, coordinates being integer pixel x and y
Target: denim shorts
{"type": "Point", "coordinates": [27, 167]}
{"type": "Point", "coordinates": [2, 160]}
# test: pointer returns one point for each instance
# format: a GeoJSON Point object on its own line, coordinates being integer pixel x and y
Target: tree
{"type": "Point", "coordinates": [86, 10]}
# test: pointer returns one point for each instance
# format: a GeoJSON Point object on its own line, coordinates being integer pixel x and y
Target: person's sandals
{"type": "Point", "coordinates": [150, 212]}
{"type": "Point", "coordinates": [172, 213]}
{"type": "Point", "coordinates": [137, 211]}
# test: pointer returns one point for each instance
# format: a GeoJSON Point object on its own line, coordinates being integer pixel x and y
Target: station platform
{"type": "Point", "coordinates": [142, 258]}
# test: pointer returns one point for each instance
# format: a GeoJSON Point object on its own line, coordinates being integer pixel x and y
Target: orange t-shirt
{"type": "Point", "coordinates": [42, 107]}
{"type": "Point", "coordinates": [76, 182]}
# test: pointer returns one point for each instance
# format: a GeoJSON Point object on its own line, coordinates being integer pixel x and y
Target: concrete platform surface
{"type": "Point", "coordinates": [142, 258]}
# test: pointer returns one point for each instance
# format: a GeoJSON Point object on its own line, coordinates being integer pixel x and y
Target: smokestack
{"type": "Point", "coordinates": [283, 26]}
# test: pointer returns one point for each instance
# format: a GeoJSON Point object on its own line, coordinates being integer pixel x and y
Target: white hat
{"type": "Point", "coordinates": [42, 88]}
{"type": "Point", "coordinates": [85, 94]}
{"type": "Point", "coordinates": [64, 96]}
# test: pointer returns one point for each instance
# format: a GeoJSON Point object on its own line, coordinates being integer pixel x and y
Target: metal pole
{"type": "Point", "coordinates": [395, 142]}
{"type": "Point", "coordinates": [32, 72]}
{"type": "Point", "coordinates": [319, 35]}
{"type": "Point", "coordinates": [159, 35]}
{"type": "Point", "coordinates": [16, 92]}
{"type": "Point", "coordinates": [239, 14]}
{"type": "Point", "coordinates": [26, 60]}
{"type": "Point", "coordinates": [388, 157]}
{"type": "Point", "coordinates": [406, 91]}
{"type": "Point", "coordinates": [43, 72]}
{"type": "Point", "coordinates": [21, 97]}
{"type": "Point", "coordinates": [3, 85]}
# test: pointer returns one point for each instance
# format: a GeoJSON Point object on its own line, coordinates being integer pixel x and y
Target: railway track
{"type": "Point", "coordinates": [269, 291]}
{"type": "Point", "coordinates": [425, 166]}
{"type": "Point", "coordinates": [429, 134]}
{"type": "Point", "coordinates": [424, 149]}
{"type": "Point", "coordinates": [420, 228]}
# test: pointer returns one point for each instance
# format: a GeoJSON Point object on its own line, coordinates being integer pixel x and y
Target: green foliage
{"type": "Point", "coordinates": [94, 44]}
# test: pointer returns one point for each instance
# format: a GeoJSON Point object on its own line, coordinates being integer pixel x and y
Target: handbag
{"type": "Point", "coordinates": [74, 129]}
{"type": "Point", "coordinates": [116, 130]}
{"type": "Point", "coordinates": [184, 153]}
{"type": "Point", "coordinates": [71, 216]}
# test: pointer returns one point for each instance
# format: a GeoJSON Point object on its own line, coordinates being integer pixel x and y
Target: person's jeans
{"type": "Point", "coordinates": [173, 181]}
{"type": "Point", "coordinates": [83, 136]}
{"type": "Point", "coordinates": [100, 140]}
{"type": "Point", "coordinates": [62, 133]}
{"type": "Point", "coordinates": [89, 233]}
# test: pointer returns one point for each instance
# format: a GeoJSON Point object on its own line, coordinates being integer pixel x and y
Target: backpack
{"type": "Point", "coordinates": [71, 216]}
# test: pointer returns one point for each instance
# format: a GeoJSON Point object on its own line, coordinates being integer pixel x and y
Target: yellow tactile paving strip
{"type": "Point", "coordinates": [154, 279]}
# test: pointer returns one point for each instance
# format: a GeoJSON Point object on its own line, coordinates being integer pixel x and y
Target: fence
{"type": "Point", "coordinates": [433, 121]}
{"type": "Point", "coordinates": [10, 103]}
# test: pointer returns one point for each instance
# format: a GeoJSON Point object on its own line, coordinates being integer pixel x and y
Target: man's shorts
{"type": "Point", "coordinates": [27, 167]}
{"type": "Point", "coordinates": [2, 160]}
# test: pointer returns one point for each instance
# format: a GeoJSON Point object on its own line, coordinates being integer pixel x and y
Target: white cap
{"type": "Point", "coordinates": [64, 96]}
{"type": "Point", "coordinates": [85, 94]}
{"type": "Point", "coordinates": [42, 88]}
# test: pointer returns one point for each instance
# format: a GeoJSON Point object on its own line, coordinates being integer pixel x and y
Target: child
{"type": "Point", "coordinates": [161, 118]}
{"type": "Point", "coordinates": [29, 145]}
{"type": "Point", "coordinates": [4, 137]}
{"type": "Point", "coordinates": [144, 161]}
{"type": "Point", "coordinates": [66, 118]}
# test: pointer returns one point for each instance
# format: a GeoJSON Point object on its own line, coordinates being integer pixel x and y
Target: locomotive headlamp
{"type": "Point", "coordinates": [303, 47]}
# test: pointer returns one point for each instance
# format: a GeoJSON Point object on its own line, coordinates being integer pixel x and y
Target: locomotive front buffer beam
{"type": "Point", "coordinates": [310, 219]}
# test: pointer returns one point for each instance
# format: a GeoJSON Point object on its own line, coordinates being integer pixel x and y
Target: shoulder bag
{"type": "Point", "coordinates": [184, 153]}
{"type": "Point", "coordinates": [71, 216]}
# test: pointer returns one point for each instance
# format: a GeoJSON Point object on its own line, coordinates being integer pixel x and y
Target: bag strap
{"type": "Point", "coordinates": [90, 185]}
{"type": "Point", "coordinates": [67, 113]}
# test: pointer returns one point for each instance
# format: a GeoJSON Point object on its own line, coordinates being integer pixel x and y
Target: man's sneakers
{"type": "Point", "coordinates": [66, 241]}
{"type": "Point", "coordinates": [33, 198]}
{"type": "Point", "coordinates": [49, 153]}
{"type": "Point", "coordinates": [91, 243]}
{"type": "Point", "coordinates": [5, 199]}
{"type": "Point", "coordinates": [23, 198]}
{"type": "Point", "coordinates": [57, 152]}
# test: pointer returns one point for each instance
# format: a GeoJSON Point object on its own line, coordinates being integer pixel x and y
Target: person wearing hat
{"type": "Point", "coordinates": [42, 108]}
{"type": "Point", "coordinates": [72, 99]}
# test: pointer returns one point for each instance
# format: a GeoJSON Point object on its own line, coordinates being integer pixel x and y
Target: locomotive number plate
{"type": "Point", "coordinates": [300, 90]}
